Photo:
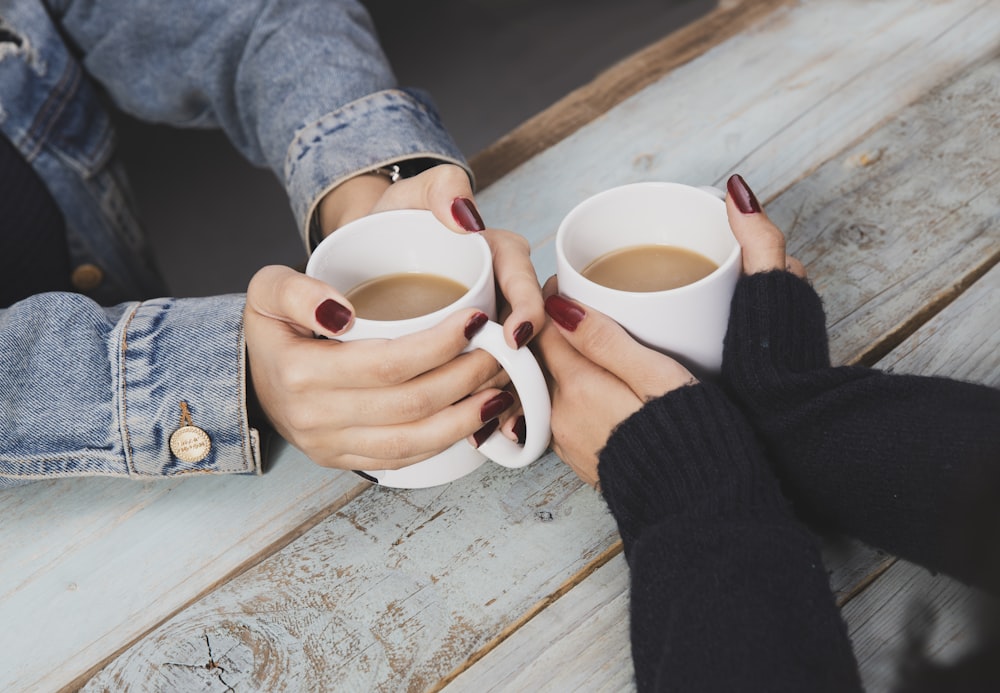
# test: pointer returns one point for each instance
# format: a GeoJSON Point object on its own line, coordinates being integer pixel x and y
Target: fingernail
{"type": "Point", "coordinates": [494, 407]}
{"type": "Point", "coordinates": [523, 333]}
{"type": "Point", "coordinates": [466, 214]}
{"type": "Point", "coordinates": [485, 432]}
{"type": "Point", "coordinates": [742, 195]}
{"type": "Point", "coordinates": [520, 429]}
{"type": "Point", "coordinates": [564, 312]}
{"type": "Point", "coordinates": [475, 324]}
{"type": "Point", "coordinates": [332, 315]}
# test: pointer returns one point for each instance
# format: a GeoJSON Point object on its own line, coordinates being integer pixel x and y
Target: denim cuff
{"type": "Point", "coordinates": [183, 362]}
{"type": "Point", "coordinates": [376, 130]}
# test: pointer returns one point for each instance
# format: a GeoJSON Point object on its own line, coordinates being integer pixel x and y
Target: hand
{"type": "Point", "coordinates": [762, 242]}
{"type": "Point", "coordinates": [445, 190]}
{"type": "Point", "coordinates": [598, 376]}
{"type": "Point", "coordinates": [373, 404]}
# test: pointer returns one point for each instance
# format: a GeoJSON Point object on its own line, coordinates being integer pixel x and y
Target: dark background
{"type": "Point", "coordinates": [489, 64]}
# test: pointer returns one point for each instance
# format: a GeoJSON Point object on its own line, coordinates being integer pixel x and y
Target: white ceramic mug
{"type": "Point", "coordinates": [414, 241]}
{"type": "Point", "coordinates": [689, 322]}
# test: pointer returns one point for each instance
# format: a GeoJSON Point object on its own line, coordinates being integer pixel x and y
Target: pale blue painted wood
{"type": "Point", "coordinates": [136, 553]}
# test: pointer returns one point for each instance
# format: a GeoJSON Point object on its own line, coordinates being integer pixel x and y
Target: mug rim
{"type": "Point", "coordinates": [724, 267]}
{"type": "Point", "coordinates": [358, 226]}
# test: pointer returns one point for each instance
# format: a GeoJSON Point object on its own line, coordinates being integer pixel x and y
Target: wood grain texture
{"type": "Point", "coordinates": [743, 106]}
{"type": "Point", "coordinates": [389, 593]}
{"type": "Point", "coordinates": [89, 565]}
{"type": "Point", "coordinates": [786, 119]}
{"type": "Point", "coordinates": [616, 84]}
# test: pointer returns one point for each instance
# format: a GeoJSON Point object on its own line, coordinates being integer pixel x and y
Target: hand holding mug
{"type": "Point", "coordinates": [375, 405]}
{"type": "Point", "coordinates": [445, 190]}
{"type": "Point", "coordinates": [401, 273]}
{"type": "Point", "coordinates": [598, 377]}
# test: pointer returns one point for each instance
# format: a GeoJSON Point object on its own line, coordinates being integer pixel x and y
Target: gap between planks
{"type": "Point", "coordinates": [897, 336]}
{"type": "Point", "coordinates": [573, 581]}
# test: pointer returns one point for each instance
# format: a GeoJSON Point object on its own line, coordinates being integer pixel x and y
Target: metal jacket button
{"type": "Point", "coordinates": [87, 277]}
{"type": "Point", "coordinates": [190, 444]}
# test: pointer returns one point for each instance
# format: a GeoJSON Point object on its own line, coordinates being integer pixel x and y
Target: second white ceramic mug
{"type": "Point", "coordinates": [414, 241]}
{"type": "Point", "coordinates": [688, 322]}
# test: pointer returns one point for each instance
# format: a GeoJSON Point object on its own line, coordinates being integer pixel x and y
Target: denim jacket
{"type": "Point", "coordinates": [299, 86]}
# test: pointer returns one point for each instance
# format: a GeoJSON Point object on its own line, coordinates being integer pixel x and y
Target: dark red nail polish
{"type": "Point", "coordinates": [493, 408]}
{"type": "Point", "coordinates": [485, 432]}
{"type": "Point", "coordinates": [566, 313]}
{"type": "Point", "coordinates": [466, 214]}
{"type": "Point", "coordinates": [521, 430]}
{"type": "Point", "coordinates": [742, 195]}
{"type": "Point", "coordinates": [332, 315]}
{"type": "Point", "coordinates": [523, 333]}
{"type": "Point", "coordinates": [475, 324]}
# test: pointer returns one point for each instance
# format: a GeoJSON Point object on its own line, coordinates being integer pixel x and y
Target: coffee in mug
{"type": "Point", "coordinates": [626, 228]}
{"type": "Point", "coordinates": [404, 295]}
{"type": "Point", "coordinates": [408, 252]}
{"type": "Point", "coordinates": [649, 267]}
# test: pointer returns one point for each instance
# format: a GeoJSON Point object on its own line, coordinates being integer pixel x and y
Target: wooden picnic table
{"type": "Point", "coordinates": [871, 131]}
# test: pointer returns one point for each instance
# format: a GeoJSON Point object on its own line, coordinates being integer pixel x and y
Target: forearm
{"type": "Point", "coordinates": [302, 87]}
{"type": "Point", "coordinates": [721, 570]}
{"type": "Point", "coordinates": [87, 390]}
{"type": "Point", "coordinates": [889, 459]}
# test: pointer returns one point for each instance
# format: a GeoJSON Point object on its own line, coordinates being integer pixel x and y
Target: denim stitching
{"type": "Point", "coordinates": [123, 388]}
{"type": "Point", "coordinates": [58, 99]}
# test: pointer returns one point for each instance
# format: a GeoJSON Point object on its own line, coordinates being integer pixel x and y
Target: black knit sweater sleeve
{"type": "Point", "coordinates": [890, 459]}
{"type": "Point", "coordinates": [728, 591]}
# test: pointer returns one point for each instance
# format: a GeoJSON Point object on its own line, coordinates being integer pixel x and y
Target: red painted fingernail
{"type": "Point", "coordinates": [332, 315]}
{"type": "Point", "coordinates": [466, 214]}
{"type": "Point", "coordinates": [521, 430]}
{"type": "Point", "coordinates": [564, 312]}
{"type": "Point", "coordinates": [742, 195]}
{"type": "Point", "coordinates": [485, 432]}
{"type": "Point", "coordinates": [475, 324]}
{"type": "Point", "coordinates": [523, 333]}
{"type": "Point", "coordinates": [494, 407]}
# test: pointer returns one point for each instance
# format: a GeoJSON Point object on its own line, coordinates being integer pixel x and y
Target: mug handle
{"type": "Point", "coordinates": [529, 382]}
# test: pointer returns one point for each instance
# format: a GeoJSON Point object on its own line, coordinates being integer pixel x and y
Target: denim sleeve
{"type": "Point", "coordinates": [87, 390]}
{"type": "Point", "coordinates": [301, 86]}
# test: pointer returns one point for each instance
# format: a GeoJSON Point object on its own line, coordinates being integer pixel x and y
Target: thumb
{"type": "Point", "coordinates": [445, 190]}
{"type": "Point", "coordinates": [762, 242]}
{"type": "Point", "coordinates": [310, 305]}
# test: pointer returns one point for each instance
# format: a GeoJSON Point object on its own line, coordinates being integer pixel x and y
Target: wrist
{"type": "Point", "coordinates": [358, 195]}
{"type": "Point", "coordinates": [352, 199]}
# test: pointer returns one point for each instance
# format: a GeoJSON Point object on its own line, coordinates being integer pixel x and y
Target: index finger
{"type": "Point", "coordinates": [649, 374]}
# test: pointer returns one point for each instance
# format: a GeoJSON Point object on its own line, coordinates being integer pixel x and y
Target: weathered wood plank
{"type": "Point", "coordinates": [89, 565]}
{"type": "Point", "coordinates": [390, 592]}
{"type": "Point", "coordinates": [774, 115]}
{"type": "Point", "coordinates": [616, 84]}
